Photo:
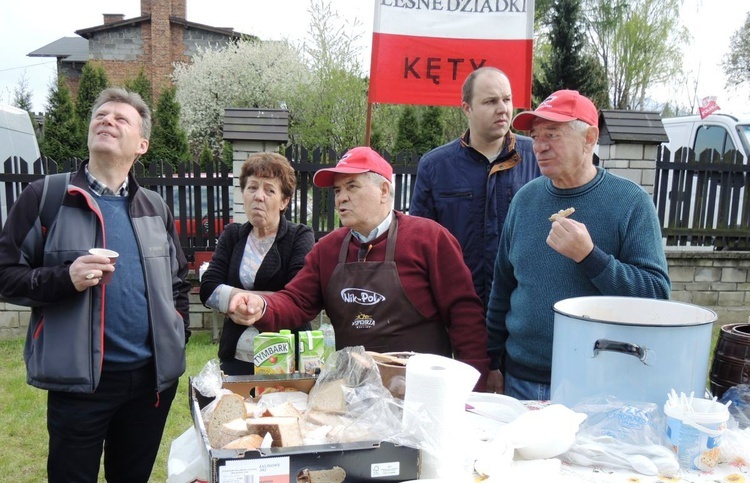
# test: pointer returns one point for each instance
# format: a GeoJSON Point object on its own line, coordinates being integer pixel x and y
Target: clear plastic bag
{"type": "Point", "coordinates": [209, 383]}
{"type": "Point", "coordinates": [739, 408]}
{"type": "Point", "coordinates": [619, 434]}
{"type": "Point", "coordinates": [350, 392]}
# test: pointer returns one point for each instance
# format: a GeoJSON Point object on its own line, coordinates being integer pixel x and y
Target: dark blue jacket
{"type": "Point", "coordinates": [454, 188]}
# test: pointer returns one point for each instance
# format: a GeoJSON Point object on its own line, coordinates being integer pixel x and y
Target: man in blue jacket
{"type": "Point", "coordinates": [109, 355]}
{"type": "Point", "coordinates": [467, 184]}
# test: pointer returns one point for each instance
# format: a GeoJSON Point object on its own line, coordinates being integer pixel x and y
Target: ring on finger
{"type": "Point", "coordinates": [89, 276]}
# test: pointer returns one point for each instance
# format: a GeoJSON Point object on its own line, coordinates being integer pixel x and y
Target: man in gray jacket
{"type": "Point", "coordinates": [110, 355]}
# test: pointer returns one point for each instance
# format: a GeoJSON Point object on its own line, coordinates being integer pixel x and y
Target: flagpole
{"type": "Point", "coordinates": [367, 123]}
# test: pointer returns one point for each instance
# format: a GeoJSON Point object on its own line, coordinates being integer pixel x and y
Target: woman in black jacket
{"type": "Point", "coordinates": [261, 255]}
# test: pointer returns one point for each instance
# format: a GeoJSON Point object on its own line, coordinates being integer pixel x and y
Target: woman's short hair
{"type": "Point", "coordinates": [270, 165]}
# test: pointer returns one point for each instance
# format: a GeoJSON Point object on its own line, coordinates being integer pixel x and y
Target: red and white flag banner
{"type": "Point", "coordinates": [708, 106]}
{"type": "Point", "coordinates": [422, 50]}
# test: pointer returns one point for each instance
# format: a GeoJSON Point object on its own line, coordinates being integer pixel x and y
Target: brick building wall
{"type": "Point", "coordinates": [152, 42]}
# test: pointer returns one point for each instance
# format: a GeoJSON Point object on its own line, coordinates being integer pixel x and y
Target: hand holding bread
{"type": "Point", "coordinates": [562, 214]}
{"type": "Point", "coordinates": [570, 239]}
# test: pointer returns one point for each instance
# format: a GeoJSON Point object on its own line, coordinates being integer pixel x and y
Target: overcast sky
{"type": "Point", "coordinates": [27, 25]}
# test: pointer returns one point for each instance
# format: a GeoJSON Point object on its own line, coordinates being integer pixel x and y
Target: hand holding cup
{"type": "Point", "coordinates": [112, 255]}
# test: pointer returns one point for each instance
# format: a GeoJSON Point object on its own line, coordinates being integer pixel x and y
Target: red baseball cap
{"type": "Point", "coordinates": [356, 160]}
{"type": "Point", "coordinates": [560, 106]}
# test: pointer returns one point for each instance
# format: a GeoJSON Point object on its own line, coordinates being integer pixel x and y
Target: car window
{"type": "Point", "coordinates": [712, 137]}
{"type": "Point", "coordinates": [744, 132]}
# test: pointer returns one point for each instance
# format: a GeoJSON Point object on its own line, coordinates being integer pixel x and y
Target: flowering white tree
{"type": "Point", "coordinates": [246, 74]}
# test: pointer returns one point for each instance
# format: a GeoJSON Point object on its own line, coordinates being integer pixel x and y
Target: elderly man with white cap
{"type": "Point", "coordinates": [388, 281]}
{"type": "Point", "coordinates": [578, 230]}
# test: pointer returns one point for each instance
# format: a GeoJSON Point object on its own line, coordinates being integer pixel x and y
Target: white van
{"type": "Point", "coordinates": [721, 132]}
{"type": "Point", "coordinates": [17, 138]}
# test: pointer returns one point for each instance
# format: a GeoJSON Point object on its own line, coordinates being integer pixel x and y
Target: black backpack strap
{"type": "Point", "coordinates": [55, 186]}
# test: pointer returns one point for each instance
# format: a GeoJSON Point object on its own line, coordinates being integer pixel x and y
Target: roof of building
{"type": "Point", "coordinates": [642, 127]}
{"type": "Point", "coordinates": [76, 49]}
{"type": "Point", "coordinates": [68, 49]}
{"type": "Point", "coordinates": [253, 124]}
{"type": "Point", "coordinates": [89, 32]}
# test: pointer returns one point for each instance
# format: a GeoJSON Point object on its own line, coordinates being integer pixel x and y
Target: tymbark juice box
{"type": "Point", "coordinates": [274, 353]}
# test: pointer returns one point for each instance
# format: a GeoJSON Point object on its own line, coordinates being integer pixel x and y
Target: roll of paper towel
{"type": "Point", "coordinates": [436, 392]}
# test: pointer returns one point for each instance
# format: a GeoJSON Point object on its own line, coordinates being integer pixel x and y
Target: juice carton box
{"type": "Point", "coordinates": [311, 351]}
{"type": "Point", "coordinates": [274, 353]}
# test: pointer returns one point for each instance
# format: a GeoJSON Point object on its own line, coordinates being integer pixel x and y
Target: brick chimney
{"type": "Point", "coordinates": [166, 42]}
{"type": "Point", "coordinates": [174, 8]}
{"type": "Point", "coordinates": [113, 17]}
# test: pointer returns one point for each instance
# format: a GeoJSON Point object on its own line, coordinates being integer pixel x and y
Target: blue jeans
{"type": "Point", "coordinates": [526, 390]}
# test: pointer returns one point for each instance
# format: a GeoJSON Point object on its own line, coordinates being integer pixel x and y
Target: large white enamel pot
{"type": "Point", "coordinates": [632, 348]}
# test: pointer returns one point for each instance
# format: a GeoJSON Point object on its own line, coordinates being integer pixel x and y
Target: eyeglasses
{"type": "Point", "coordinates": [364, 250]}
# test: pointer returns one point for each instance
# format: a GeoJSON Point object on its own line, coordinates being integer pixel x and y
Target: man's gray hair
{"type": "Point", "coordinates": [118, 94]}
{"type": "Point", "coordinates": [376, 179]}
{"type": "Point", "coordinates": [579, 126]}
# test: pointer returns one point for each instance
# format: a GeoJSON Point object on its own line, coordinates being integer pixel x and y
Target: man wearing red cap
{"type": "Point", "coordinates": [388, 282]}
{"type": "Point", "coordinates": [467, 184]}
{"type": "Point", "coordinates": [610, 244]}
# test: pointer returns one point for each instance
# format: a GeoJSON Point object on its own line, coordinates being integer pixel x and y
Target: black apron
{"type": "Point", "coordinates": [368, 306]}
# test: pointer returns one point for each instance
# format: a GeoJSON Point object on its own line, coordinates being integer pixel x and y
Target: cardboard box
{"type": "Point", "coordinates": [362, 461]}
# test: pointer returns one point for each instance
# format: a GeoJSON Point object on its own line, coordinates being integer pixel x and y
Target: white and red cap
{"type": "Point", "coordinates": [355, 161]}
{"type": "Point", "coordinates": [560, 106]}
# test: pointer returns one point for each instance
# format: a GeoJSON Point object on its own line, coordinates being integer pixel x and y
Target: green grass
{"type": "Point", "coordinates": [23, 423]}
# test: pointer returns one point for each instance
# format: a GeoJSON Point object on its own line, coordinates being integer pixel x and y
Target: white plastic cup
{"type": "Point", "coordinates": [112, 255]}
{"type": "Point", "coordinates": [696, 435]}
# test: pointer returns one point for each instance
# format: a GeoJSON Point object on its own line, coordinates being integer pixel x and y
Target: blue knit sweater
{"type": "Point", "coordinates": [127, 335]}
{"type": "Point", "coordinates": [530, 277]}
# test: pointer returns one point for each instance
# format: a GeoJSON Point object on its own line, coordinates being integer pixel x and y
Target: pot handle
{"type": "Point", "coordinates": [626, 348]}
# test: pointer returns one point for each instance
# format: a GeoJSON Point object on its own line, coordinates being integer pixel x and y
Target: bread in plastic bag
{"type": "Point", "coordinates": [350, 399]}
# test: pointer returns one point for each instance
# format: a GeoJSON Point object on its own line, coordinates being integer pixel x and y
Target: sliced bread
{"type": "Point", "coordinates": [250, 441]}
{"type": "Point", "coordinates": [329, 397]}
{"type": "Point", "coordinates": [284, 431]}
{"type": "Point", "coordinates": [230, 431]}
{"type": "Point", "coordinates": [229, 407]}
{"type": "Point", "coordinates": [286, 409]}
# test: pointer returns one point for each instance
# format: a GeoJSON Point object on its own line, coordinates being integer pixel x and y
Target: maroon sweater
{"type": "Point", "coordinates": [432, 272]}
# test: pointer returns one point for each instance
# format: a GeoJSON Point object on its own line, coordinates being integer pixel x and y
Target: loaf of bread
{"type": "Point", "coordinates": [250, 441]}
{"type": "Point", "coordinates": [284, 431]}
{"type": "Point", "coordinates": [229, 407]}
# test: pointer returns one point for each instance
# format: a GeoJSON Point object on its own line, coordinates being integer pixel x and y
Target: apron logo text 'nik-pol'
{"type": "Point", "coordinates": [361, 296]}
